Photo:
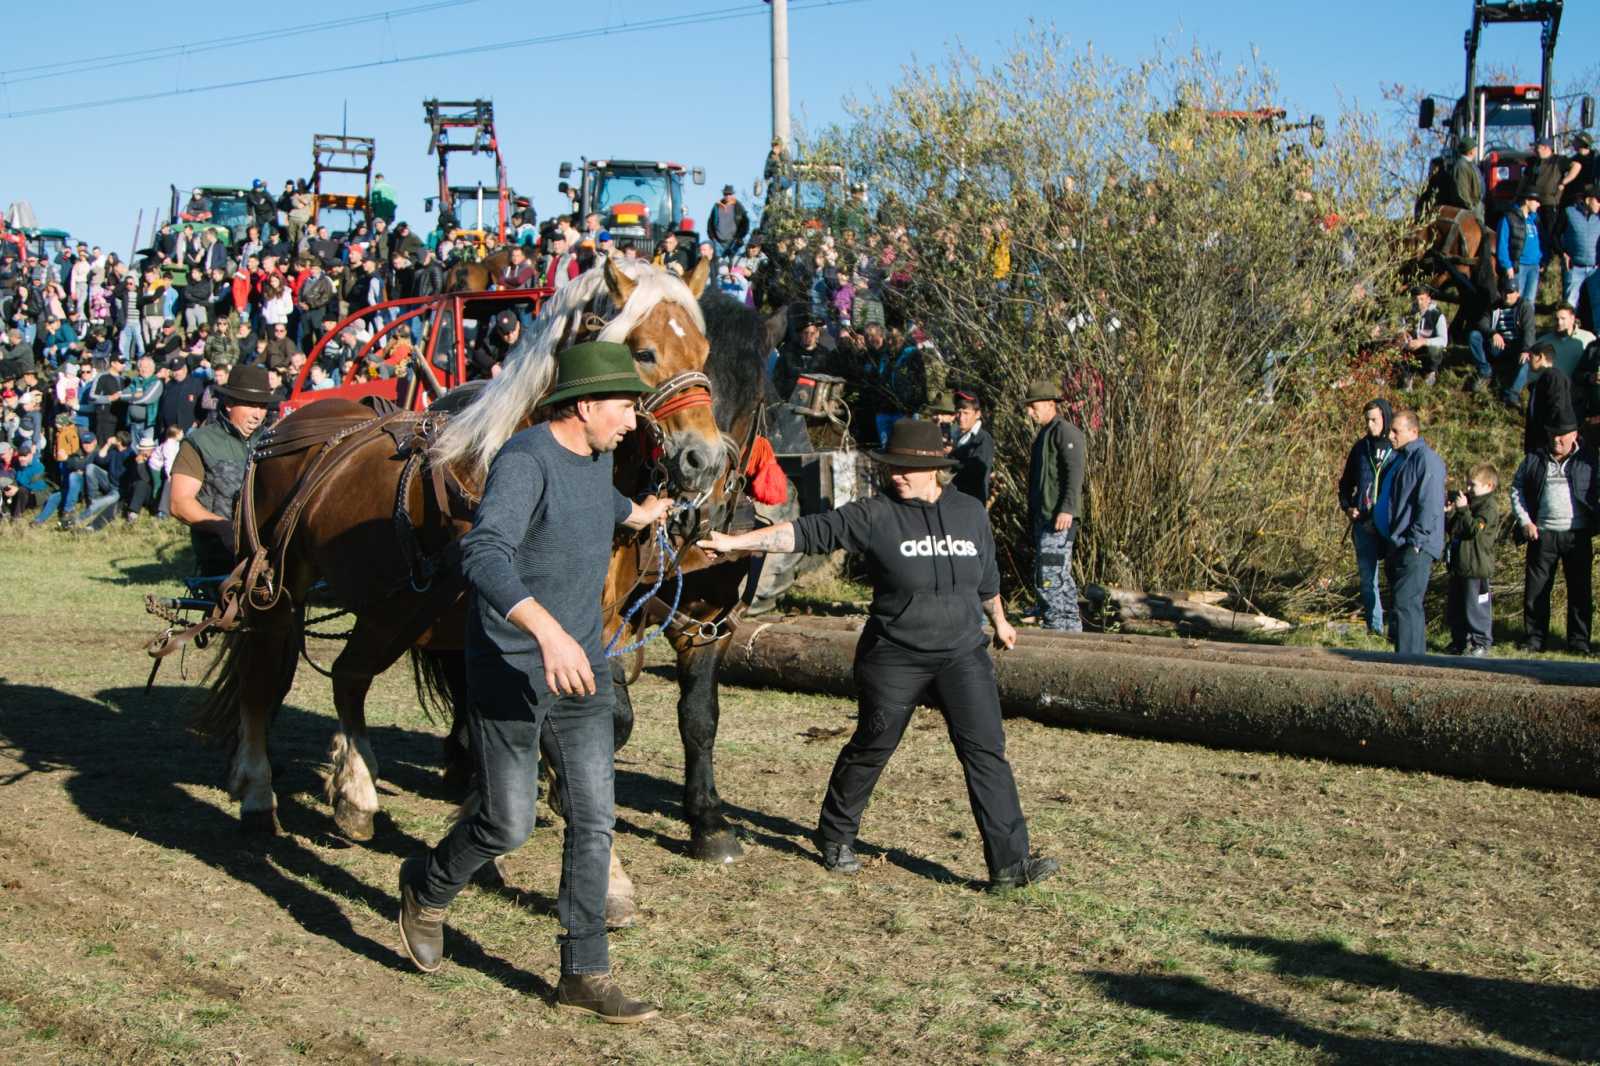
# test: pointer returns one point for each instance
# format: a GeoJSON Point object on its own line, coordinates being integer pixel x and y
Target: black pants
{"type": "Point", "coordinates": [890, 682]}
{"type": "Point", "coordinates": [1408, 572]}
{"type": "Point", "coordinates": [1575, 553]}
{"type": "Point", "coordinates": [1470, 613]}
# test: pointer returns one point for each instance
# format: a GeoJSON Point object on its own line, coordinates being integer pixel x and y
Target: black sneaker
{"type": "Point", "coordinates": [1531, 646]}
{"type": "Point", "coordinates": [1033, 869]}
{"type": "Point", "coordinates": [840, 858]}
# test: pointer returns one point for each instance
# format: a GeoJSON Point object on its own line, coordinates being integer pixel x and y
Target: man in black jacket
{"type": "Point", "coordinates": [727, 224]}
{"type": "Point", "coordinates": [1554, 499]}
{"type": "Point", "coordinates": [1503, 335]}
{"type": "Point", "coordinates": [973, 450]}
{"type": "Point", "coordinates": [1055, 502]}
{"type": "Point", "coordinates": [1549, 400]}
{"type": "Point", "coordinates": [316, 294]}
{"type": "Point", "coordinates": [262, 207]}
{"type": "Point", "coordinates": [430, 275]}
{"type": "Point", "coordinates": [494, 344]}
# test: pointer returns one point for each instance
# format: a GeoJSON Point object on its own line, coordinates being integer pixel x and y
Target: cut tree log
{"type": "Point", "coordinates": [1468, 723]}
{"type": "Point", "coordinates": [1335, 660]}
{"type": "Point", "coordinates": [1203, 613]}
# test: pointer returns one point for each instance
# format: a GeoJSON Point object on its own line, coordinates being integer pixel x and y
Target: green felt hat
{"type": "Point", "coordinates": [943, 403]}
{"type": "Point", "coordinates": [1042, 389]}
{"type": "Point", "coordinates": [594, 369]}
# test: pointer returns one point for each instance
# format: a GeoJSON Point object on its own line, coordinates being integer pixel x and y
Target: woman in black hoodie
{"type": "Point", "coordinates": [930, 558]}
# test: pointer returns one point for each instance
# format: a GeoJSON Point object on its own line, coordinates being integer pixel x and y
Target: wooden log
{"type": "Point", "coordinates": [1336, 660]}
{"type": "Point", "coordinates": [1546, 736]}
{"type": "Point", "coordinates": [1203, 613]}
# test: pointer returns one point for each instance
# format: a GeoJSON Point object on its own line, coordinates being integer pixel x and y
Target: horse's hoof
{"type": "Point", "coordinates": [621, 912]}
{"type": "Point", "coordinates": [259, 823]}
{"type": "Point", "coordinates": [354, 823]}
{"type": "Point", "coordinates": [720, 846]}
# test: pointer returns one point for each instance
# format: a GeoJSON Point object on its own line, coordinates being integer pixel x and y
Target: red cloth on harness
{"type": "Point", "coordinates": [767, 482]}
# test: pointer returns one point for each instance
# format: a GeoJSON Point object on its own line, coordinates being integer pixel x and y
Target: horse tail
{"type": "Point", "coordinates": [436, 684]}
{"type": "Point", "coordinates": [216, 720]}
{"type": "Point", "coordinates": [441, 681]}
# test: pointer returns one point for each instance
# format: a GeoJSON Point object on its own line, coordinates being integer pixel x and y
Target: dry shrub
{"type": "Point", "coordinates": [1061, 217]}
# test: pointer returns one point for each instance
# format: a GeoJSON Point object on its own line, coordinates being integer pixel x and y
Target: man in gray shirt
{"type": "Point", "coordinates": [536, 562]}
{"type": "Point", "coordinates": [1554, 499]}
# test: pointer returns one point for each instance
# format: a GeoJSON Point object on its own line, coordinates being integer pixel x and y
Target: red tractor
{"type": "Point", "coordinates": [1505, 120]}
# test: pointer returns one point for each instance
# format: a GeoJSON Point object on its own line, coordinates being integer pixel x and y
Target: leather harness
{"type": "Point", "coordinates": [256, 584]}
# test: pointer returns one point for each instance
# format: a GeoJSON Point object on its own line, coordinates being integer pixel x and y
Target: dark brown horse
{"type": "Point", "coordinates": [338, 498]}
{"type": "Point", "coordinates": [467, 276]}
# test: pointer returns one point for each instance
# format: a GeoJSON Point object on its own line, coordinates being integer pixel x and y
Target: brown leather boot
{"type": "Point", "coordinates": [599, 995]}
{"type": "Point", "coordinates": [421, 928]}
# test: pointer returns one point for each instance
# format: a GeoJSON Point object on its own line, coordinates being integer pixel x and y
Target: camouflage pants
{"type": "Point", "coordinates": [1052, 579]}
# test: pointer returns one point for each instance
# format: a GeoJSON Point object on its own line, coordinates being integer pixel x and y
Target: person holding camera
{"type": "Point", "coordinates": [930, 556]}
{"type": "Point", "coordinates": [1473, 517]}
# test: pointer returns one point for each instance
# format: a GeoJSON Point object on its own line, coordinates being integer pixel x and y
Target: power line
{"type": "Point", "coordinates": [665, 22]}
{"type": "Point", "coordinates": [67, 67]}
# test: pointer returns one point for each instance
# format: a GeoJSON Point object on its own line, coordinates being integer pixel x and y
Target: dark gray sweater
{"type": "Point", "coordinates": [543, 529]}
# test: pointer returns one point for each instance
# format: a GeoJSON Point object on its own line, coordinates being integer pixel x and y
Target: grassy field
{"type": "Point", "coordinates": [1214, 906]}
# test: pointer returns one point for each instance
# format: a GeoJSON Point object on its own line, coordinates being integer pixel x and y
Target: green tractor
{"type": "Point", "coordinates": [223, 208]}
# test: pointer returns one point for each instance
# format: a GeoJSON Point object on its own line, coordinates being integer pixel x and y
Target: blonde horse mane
{"type": "Point", "coordinates": [471, 439]}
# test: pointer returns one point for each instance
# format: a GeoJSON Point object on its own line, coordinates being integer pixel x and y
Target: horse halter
{"type": "Point", "coordinates": [680, 392]}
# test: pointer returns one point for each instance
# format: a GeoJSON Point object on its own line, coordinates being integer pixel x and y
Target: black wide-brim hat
{"type": "Point", "coordinates": [249, 384]}
{"type": "Point", "coordinates": [915, 444]}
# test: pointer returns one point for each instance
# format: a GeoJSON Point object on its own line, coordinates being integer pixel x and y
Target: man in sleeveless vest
{"type": "Point", "coordinates": [209, 468]}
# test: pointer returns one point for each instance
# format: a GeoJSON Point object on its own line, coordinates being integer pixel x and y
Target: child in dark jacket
{"type": "Point", "coordinates": [1473, 525]}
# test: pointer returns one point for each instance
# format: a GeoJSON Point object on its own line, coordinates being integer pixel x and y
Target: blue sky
{"type": "Point", "coordinates": [697, 94]}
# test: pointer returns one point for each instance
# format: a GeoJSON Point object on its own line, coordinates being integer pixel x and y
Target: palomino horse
{"type": "Point", "coordinates": [709, 608]}
{"type": "Point", "coordinates": [382, 542]}
{"type": "Point", "coordinates": [468, 276]}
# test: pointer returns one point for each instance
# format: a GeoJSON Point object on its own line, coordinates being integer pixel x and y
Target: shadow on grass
{"type": "Point", "coordinates": [1548, 1020]}
{"type": "Point", "coordinates": [128, 757]}
{"type": "Point", "coordinates": [648, 794]}
{"type": "Point", "coordinates": [1559, 1020]}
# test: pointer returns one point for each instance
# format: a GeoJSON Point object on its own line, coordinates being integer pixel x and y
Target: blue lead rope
{"type": "Point", "coordinates": [664, 546]}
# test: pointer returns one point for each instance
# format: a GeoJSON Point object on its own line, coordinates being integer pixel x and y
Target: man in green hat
{"type": "Point", "coordinates": [1055, 500]}
{"type": "Point", "coordinates": [535, 563]}
{"type": "Point", "coordinates": [1465, 188]}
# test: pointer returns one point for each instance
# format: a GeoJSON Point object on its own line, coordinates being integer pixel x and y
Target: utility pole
{"type": "Point", "coordinates": [780, 72]}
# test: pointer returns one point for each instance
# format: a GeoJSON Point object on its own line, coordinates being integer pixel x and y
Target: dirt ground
{"type": "Point", "coordinates": [1213, 907]}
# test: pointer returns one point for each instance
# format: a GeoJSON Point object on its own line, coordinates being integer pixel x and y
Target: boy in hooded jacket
{"type": "Point", "coordinates": [1358, 491]}
{"type": "Point", "coordinates": [1472, 525]}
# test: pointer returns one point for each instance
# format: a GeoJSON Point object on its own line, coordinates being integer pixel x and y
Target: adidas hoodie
{"type": "Point", "coordinates": [931, 565]}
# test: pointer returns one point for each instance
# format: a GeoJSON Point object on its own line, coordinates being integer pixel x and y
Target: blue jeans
{"type": "Point", "coordinates": [1476, 344]}
{"type": "Point", "coordinates": [510, 709]}
{"type": "Point", "coordinates": [131, 341]}
{"type": "Point", "coordinates": [1369, 553]}
{"type": "Point", "coordinates": [1408, 571]}
{"type": "Point", "coordinates": [1528, 280]}
{"type": "Point", "coordinates": [53, 502]}
{"type": "Point", "coordinates": [1572, 282]}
